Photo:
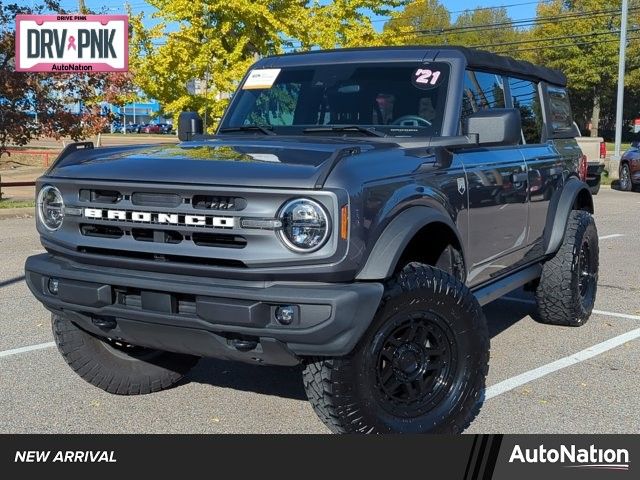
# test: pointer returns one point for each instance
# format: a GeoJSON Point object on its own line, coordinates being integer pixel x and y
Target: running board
{"type": "Point", "coordinates": [500, 288]}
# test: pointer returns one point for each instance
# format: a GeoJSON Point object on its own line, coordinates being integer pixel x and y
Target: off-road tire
{"type": "Point", "coordinates": [595, 189]}
{"type": "Point", "coordinates": [345, 392]}
{"type": "Point", "coordinates": [114, 370]}
{"type": "Point", "coordinates": [558, 296]}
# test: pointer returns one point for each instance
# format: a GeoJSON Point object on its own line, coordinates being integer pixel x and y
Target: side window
{"type": "Point", "coordinates": [482, 91]}
{"type": "Point", "coordinates": [561, 119]}
{"type": "Point", "coordinates": [527, 100]}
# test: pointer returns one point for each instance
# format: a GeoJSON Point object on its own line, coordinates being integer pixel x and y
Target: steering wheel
{"type": "Point", "coordinates": [411, 121]}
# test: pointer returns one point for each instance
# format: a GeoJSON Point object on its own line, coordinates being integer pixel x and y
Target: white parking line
{"type": "Point", "coordinates": [586, 354]}
{"type": "Point", "coordinates": [30, 348]}
{"type": "Point", "coordinates": [614, 235]}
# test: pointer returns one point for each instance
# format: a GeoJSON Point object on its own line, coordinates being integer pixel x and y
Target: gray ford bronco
{"type": "Point", "coordinates": [351, 215]}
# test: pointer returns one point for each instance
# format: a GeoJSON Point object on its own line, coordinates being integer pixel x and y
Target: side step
{"type": "Point", "coordinates": [494, 290]}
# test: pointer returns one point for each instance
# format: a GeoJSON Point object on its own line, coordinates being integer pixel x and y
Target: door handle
{"type": "Point", "coordinates": [519, 177]}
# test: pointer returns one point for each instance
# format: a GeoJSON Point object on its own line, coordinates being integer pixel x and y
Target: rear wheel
{"type": "Point", "coordinates": [118, 367]}
{"type": "Point", "coordinates": [567, 289]}
{"type": "Point", "coordinates": [420, 368]}
{"type": "Point", "coordinates": [625, 178]}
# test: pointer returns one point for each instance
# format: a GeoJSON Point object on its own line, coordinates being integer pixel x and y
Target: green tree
{"type": "Point", "coordinates": [218, 40]}
{"type": "Point", "coordinates": [422, 21]}
{"type": "Point", "coordinates": [590, 60]}
{"type": "Point", "coordinates": [428, 22]}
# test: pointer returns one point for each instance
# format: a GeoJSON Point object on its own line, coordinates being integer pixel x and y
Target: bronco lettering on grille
{"type": "Point", "coordinates": [160, 218]}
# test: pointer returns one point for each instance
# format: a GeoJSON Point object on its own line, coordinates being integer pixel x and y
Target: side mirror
{"type": "Point", "coordinates": [500, 126]}
{"type": "Point", "coordinates": [189, 124]}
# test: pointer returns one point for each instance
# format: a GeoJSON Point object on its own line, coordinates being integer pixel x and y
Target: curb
{"type": "Point", "coordinates": [22, 212]}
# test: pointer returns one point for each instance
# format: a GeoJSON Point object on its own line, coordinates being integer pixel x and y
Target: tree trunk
{"type": "Point", "coordinates": [595, 114]}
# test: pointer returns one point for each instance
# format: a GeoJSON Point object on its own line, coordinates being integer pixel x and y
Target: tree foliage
{"type": "Point", "coordinates": [429, 22]}
{"type": "Point", "coordinates": [218, 40]}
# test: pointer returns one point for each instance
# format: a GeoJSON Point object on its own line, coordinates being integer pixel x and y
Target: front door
{"type": "Point", "coordinates": [497, 182]}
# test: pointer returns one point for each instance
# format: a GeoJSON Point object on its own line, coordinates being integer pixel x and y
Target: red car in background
{"type": "Point", "coordinates": [630, 168]}
{"type": "Point", "coordinates": [150, 128]}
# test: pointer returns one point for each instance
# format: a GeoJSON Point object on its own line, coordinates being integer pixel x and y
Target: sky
{"type": "Point", "coordinates": [455, 6]}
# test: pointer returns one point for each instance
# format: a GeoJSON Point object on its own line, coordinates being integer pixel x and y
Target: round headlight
{"type": "Point", "coordinates": [50, 208]}
{"type": "Point", "coordinates": [305, 225]}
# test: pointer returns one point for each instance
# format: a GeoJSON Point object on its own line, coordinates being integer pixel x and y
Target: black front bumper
{"type": "Point", "coordinates": [219, 318]}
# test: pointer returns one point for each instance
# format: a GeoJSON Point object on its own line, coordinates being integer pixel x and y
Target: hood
{"type": "Point", "coordinates": [236, 161]}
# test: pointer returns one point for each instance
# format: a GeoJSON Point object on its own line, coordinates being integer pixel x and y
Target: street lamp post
{"type": "Point", "coordinates": [621, 71]}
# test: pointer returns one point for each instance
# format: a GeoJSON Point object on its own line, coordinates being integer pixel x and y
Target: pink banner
{"type": "Point", "coordinates": [72, 43]}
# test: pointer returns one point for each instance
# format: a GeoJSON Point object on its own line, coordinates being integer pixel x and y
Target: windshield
{"type": "Point", "coordinates": [345, 99]}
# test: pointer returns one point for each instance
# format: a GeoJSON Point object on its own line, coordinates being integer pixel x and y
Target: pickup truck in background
{"type": "Point", "coordinates": [595, 149]}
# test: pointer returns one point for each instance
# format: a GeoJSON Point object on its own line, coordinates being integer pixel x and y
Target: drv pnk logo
{"type": "Point", "coordinates": [72, 43]}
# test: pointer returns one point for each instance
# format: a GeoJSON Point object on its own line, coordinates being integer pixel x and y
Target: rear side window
{"type": "Point", "coordinates": [527, 99]}
{"type": "Point", "coordinates": [561, 119]}
{"type": "Point", "coordinates": [482, 91]}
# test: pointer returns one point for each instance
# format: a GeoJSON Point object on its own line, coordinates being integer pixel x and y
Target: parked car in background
{"type": "Point", "coordinates": [132, 128]}
{"type": "Point", "coordinates": [165, 128]}
{"type": "Point", "coordinates": [151, 128]}
{"type": "Point", "coordinates": [630, 168]}
{"type": "Point", "coordinates": [595, 150]}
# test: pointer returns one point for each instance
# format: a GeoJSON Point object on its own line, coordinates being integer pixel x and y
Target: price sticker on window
{"type": "Point", "coordinates": [425, 78]}
{"type": "Point", "coordinates": [261, 78]}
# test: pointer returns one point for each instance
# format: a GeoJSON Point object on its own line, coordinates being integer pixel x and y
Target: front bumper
{"type": "Point", "coordinates": [220, 318]}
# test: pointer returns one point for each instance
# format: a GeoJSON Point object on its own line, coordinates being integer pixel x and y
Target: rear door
{"type": "Point", "coordinates": [497, 190]}
{"type": "Point", "coordinates": [548, 160]}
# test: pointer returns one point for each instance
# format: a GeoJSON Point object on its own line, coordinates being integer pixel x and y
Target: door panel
{"type": "Point", "coordinates": [498, 210]}
{"type": "Point", "coordinates": [546, 169]}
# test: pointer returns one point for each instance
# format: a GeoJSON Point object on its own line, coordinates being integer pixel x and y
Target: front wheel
{"type": "Point", "coordinates": [117, 367]}
{"type": "Point", "coordinates": [420, 368]}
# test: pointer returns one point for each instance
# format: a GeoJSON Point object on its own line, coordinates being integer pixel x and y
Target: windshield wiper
{"type": "Point", "coordinates": [345, 128]}
{"type": "Point", "coordinates": [267, 130]}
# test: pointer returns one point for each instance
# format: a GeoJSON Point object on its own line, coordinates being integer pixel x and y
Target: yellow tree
{"type": "Point", "coordinates": [217, 40]}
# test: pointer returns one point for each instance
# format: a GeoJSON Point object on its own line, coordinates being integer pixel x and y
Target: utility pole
{"type": "Point", "coordinates": [621, 71]}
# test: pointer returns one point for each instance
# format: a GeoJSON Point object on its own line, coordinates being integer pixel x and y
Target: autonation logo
{"type": "Point", "coordinates": [573, 457]}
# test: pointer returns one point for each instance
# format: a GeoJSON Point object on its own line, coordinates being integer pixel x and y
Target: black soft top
{"type": "Point", "coordinates": [476, 59]}
{"type": "Point", "coordinates": [483, 60]}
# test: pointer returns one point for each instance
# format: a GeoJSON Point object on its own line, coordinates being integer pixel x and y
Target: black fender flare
{"type": "Point", "coordinates": [560, 209]}
{"type": "Point", "coordinates": [395, 237]}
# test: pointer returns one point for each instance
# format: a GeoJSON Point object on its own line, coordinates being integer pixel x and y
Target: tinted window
{"type": "Point", "coordinates": [482, 91]}
{"type": "Point", "coordinates": [527, 100]}
{"type": "Point", "coordinates": [396, 99]}
{"type": "Point", "coordinates": [561, 119]}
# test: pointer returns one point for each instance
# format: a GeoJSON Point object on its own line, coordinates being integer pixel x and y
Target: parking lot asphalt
{"type": "Point", "coordinates": [542, 379]}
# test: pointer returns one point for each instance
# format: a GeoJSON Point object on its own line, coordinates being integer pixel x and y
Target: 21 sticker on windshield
{"type": "Point", "coordinates": [425, 78]}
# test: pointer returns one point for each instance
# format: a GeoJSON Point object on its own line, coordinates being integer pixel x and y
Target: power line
{"type": "Point", "coordinates": [471, 10]}
{"type": "Point", "coordinates": [574, 44]}
{"type": "Point", "coordinates": [294, 43]}
{"type": "Point", "coordinates": [549, 39]}
{"type": "Point", "coordinates": [516, 23]}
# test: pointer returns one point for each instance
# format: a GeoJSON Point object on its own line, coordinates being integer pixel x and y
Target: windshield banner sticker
{"type": "Point", "coordinates": [261, 78]}
{"type": "Point", "coordinates": [425, 78]}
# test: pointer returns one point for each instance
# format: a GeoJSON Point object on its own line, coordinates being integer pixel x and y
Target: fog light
{"type": "Point", "coordinates": [285, 314]}
{"type": "Point", "coordinates": [53, 286]}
